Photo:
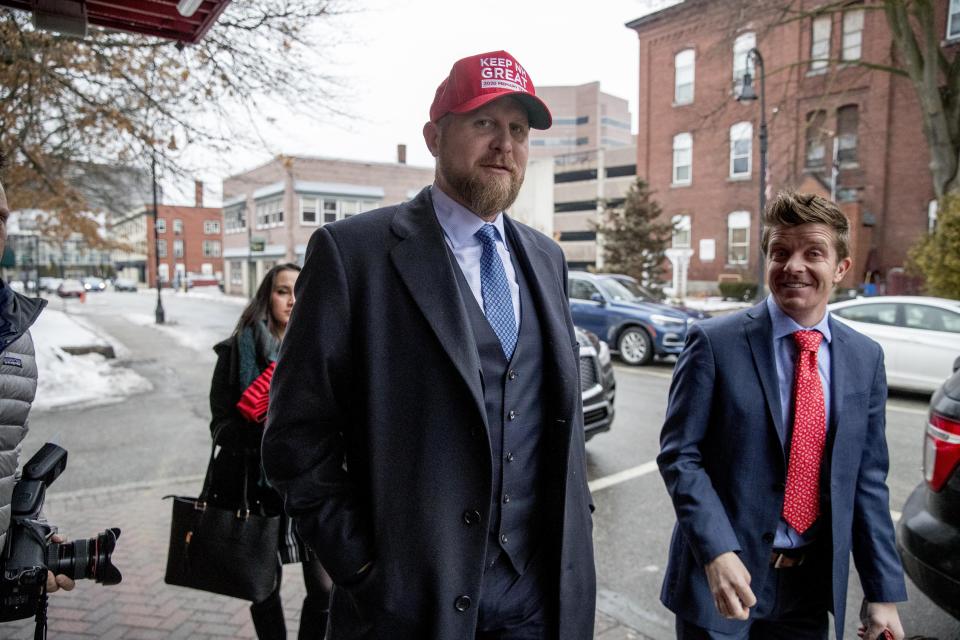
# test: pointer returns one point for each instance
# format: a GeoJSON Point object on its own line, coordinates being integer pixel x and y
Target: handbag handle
{"type": "Point", "coordinates": [201, 503]}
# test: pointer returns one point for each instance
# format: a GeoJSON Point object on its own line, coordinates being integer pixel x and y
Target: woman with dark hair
{"type": "Point", "coordinates": [238, 400]}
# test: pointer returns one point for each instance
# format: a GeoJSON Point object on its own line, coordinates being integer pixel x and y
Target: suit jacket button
{"type": "Point", "coordinates": [462, 603]}
{"type": "Point", "coordinates": [511, 415]}
{"type": "Point", "coordinates": [512, 375]}
{"type": "Point", "coordinates": [471, 517]}
{"type": "Point", "coordinates": [768, 538]}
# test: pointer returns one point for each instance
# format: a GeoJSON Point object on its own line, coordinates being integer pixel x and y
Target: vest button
{"type": "Point", "coordinates": [503, 538]}
{"type": "Point", "coordinates": [509, 456]}
{"type": "Point", "coordinates": [506, 498]}
{"type": "Point", "coordinates": [511, 415]}
{"type": "Point", "coordinates": [462, 603]}
{"type": "Point", "coordinates": [512, 375]}
{"type": "Point", "coordinates": [768, 538]}
{"type": "Point", "coordinates": [471, 517]}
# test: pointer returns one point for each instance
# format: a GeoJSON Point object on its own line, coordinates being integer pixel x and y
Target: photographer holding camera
{"type": "Point", "coordinates": [18, 386]}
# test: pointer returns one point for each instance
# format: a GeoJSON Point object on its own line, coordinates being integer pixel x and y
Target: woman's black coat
{"type": "Point", "coordinates": [239, 439]}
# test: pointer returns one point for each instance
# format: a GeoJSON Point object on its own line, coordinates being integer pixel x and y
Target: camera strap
{"type": "Point", "coordinates": [40, 630]}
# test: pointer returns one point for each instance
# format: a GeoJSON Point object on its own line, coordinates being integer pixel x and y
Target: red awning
{"type": "Point", "coordinates": [158, 18]}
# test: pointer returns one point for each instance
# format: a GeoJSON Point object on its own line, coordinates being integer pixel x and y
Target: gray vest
{"type": "Point", "coordinates": [513, 395]}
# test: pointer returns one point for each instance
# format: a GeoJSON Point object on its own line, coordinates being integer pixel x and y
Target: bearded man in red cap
{"type": "Point", "coordinates": [425, 425]}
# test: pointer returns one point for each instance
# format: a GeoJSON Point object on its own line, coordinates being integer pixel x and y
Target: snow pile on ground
{"type": "Point", "coordinates": [66, 379]}
{"type": "Point", "coordinates": [199, 339]}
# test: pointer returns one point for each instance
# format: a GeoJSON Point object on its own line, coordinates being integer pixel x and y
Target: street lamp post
{"type": "Point", "coordinates": [159, 314]}
{"type": "Point", "coordinates": [748, 94]}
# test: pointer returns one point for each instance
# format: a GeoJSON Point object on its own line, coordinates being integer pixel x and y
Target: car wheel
{"type": "Point", "coordinates": [635, 346]}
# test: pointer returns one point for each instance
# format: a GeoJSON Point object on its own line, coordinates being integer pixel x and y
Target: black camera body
{"type": "Point", "coordinates": [29, 554]}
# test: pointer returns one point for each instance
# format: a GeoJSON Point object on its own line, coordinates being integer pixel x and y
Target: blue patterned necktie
{"type": "Point", "coordinates": [497, 303]}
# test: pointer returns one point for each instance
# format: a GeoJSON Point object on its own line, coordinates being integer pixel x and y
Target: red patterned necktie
{"type": "Point", "coordinates": [801, 504]}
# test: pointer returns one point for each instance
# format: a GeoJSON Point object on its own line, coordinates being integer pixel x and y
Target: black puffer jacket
{"type": "Point", "coordinates": [238, 438]}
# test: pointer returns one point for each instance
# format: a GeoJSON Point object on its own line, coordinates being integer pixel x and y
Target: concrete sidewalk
{"type": "Point", "coordinates": [142, 607]}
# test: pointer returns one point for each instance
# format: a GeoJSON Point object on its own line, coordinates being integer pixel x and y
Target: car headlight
{"type": "Point", "coordinates": [603, 354]}
{"type": "Point", "coordinates": [667, 320]}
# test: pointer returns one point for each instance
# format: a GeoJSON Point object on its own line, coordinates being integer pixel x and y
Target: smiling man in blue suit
{"type": "Point", "coordinates": [774, 454]}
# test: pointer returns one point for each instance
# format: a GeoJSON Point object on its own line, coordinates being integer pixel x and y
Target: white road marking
{"type": "Point", "coordinates": [656, 373]}
{"type": "Point", "coordinates": [903, 409]}
{"type": "Point", "coordinates": [623, 476]}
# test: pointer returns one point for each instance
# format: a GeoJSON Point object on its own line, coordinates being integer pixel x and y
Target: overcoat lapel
{"type": "Point", "coordinates": [424, 265]}
{"type": "Point", "coordinates": [759, 332]}
{"type": "Point", "coordinates": [548, 294]}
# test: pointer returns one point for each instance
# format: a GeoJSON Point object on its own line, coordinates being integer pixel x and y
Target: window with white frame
{"type": "Point", "coordinates": [741, 149]}
{"type": "Point", "coordinates": [683, 64]}
{"type": "Point", "coordinates": [211, 248]}
{"type": "Point", "coordinates": [164, 273]}
{"type": "Point", "coordinates": [738, 237]}
{"type": "Point", "coordinates": [820, 43]}
{"type": "Point", "coordinates": [953, 20]}
{"type": "Point", "coordinates": [235, 218]}
{"type": "Point", "coordinates": [211, 227]}
{"type": "Point", "coordinates": [852, 34]}
{"type": "Point", "coordinates": [162, 248]}
{"type": "Point", "coordinates": [161, 225]}
{"type": "Point", "coordinates": [816, 150]}
{"type": "Point", "coordinates": [270, 213]}
{"type": "Point", "coordinates": [308, 211]}
{"type": "Point", "coordinates": [681, 232]}
{"type": "Point", "coordinates": [178, 226]}
{"type": "Point", "coordinates": [848, 123]}
{"type": "Point", "coordinates": [742, 61]}
{"type": "Point", "coordinates": [682, 158]}
{"type": "Point", "coordinates": [178, 248]}
{"type": "Point", "coordinates": [316, 210]}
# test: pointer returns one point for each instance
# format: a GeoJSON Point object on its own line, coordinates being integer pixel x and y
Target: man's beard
{"type": "Point", "coordinates": [483, 195]}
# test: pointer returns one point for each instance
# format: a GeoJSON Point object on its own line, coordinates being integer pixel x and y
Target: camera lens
{"type": "Point", "coordinates": [90, 558]}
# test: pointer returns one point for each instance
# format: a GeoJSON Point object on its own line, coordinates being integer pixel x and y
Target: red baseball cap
{"type": "Point", "coordinates": [479, 79]}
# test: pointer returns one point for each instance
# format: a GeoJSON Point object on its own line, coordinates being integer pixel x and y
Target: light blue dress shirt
{"type": "Point", "coordinates": [785, 354]}
{"type": "Point", "coordinates": [459, 225]}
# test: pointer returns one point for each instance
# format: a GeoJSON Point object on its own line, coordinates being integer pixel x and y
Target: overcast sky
{"type": "Point", "coordinates": [398, 51]}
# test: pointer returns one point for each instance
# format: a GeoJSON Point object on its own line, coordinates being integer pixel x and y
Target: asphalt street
{"type": "Point", "coordinates": [163, 435]}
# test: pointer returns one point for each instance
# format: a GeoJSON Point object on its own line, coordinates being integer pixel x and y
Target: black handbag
{"type": "Point", "coordinates": [228, 551]}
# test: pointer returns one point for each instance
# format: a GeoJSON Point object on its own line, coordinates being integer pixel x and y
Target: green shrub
{"type": "Point", "coordinates": [744, 291]}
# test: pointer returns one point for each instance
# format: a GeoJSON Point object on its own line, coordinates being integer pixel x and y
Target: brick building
{"type": "Point", "coordinates": [289, 197]}
{"type": "Point", "coordinates": [189, 241]}
{"type": "Point", "coordinates": [833, 126]}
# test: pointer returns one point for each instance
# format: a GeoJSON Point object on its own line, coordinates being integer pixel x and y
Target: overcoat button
{"type": "Point", "coordinates": [471, 517]}
{"type": "Point", "coordinates": [462, 603]}
{"type": "Point", "coordinates": [512, 415]}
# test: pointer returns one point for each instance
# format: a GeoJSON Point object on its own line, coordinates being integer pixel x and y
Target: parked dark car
{"type": "Point", "coordinates": [94, 284]}
{"type": "Point", "coordinates": [635, 330]}
{"type": "Point", "coordinates": [928, 536]}
{"type": "Point", "coordinates": [597, 383]}
{"type": "Point", "coordinates": [642, 294]}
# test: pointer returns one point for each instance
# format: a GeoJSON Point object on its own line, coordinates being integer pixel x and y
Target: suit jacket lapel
{"type": "Point", "coordinates": [548, 294]}
{"type": "Point", "coordinates": [759, 332]}
{"type": "Point", "coordinates": [423, 262]}
{"type": "Point", "coordinates": [839, 362]}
